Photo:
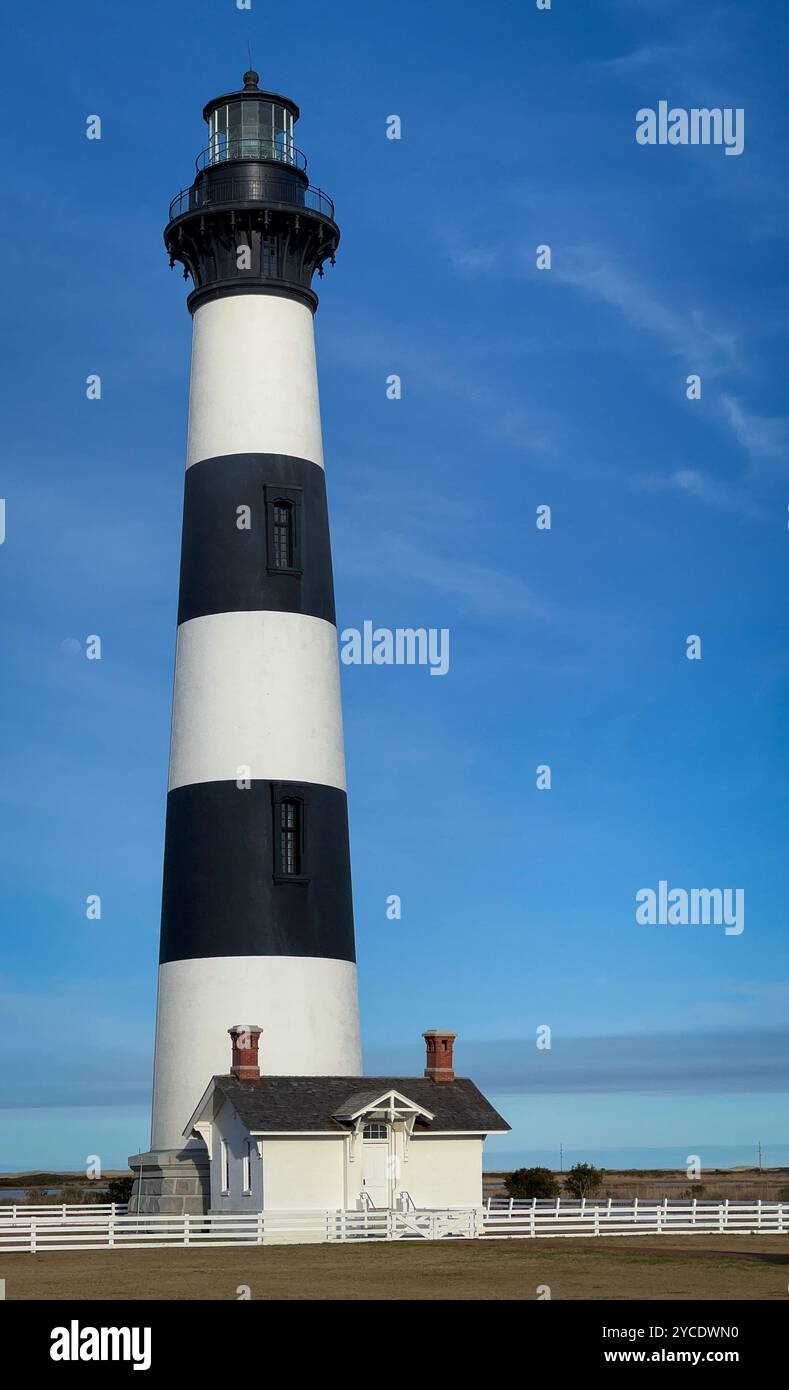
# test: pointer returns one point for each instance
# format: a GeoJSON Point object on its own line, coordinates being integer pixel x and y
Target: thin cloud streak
{"type": "Point", "coordinates": [685, 335]}
{"type": "Point", "coordinates": [701, 1063]}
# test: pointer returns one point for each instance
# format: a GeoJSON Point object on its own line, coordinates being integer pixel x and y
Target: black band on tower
{"type": "Point", "coordinates": [230, 562]}
{"type": "Point", "coordinates": [223, 892]}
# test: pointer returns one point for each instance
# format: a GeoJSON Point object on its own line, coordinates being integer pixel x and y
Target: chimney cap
{"type": "Point", "coordinates": [439, 1033]}
{"type": "Point", "coordinates": [245, 1028]}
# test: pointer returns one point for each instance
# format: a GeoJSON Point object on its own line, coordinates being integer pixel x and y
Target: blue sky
{"type": "Point", "coordinates": [520, 388]}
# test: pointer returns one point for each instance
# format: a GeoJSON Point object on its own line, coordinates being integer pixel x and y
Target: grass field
{"type": "Point", "coordinates": [651, 1184]}
{"type": "Point", "coordinates": [689, 1267]}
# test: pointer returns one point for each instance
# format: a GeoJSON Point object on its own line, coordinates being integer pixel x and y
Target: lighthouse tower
{"type": "Point", "coordinates": [257, 917]}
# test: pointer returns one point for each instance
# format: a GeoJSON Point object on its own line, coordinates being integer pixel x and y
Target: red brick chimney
{"type": "Point", "coordinates": [245, 1065]}
{"type": "Point", "coordinates": [439, 1043]}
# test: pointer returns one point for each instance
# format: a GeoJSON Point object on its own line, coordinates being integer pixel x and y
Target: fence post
{"type": "Point", "coordinates": [597, 1220]}
{"type": "Point", "coordinates": [635, 1210]}
{"type": "Point", "coordinates": [720, 1216]}
{"type": "Point", "coordinates": [608, 1213]}
{"type": "Point", "coordinates": [726, 1215]}
{"type": "Point", "coordinates": [759, 1217]}
{"type": "Point", "coordinates": [259, 1229]}
{"type": "Point", "coordinates": [511, 1202]}
{"type": "Point", "coordinates": [32, 1235]}
{"type": "Point", "coordinates": [693, 1217]}
{"type": "Point", "coordinates": [532, 1227]}
{"type": "Point", "coordinates": [186, 1228]}
{"type": "Point", "coordinates": [111, 1229]}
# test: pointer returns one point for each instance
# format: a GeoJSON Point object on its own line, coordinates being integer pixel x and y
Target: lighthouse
{"type": "Point", "coordinates": [257, 918]}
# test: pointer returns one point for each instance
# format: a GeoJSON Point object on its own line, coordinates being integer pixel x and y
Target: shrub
{"type": "Point", "coordinates": [119, 1189]}
{"type": "Point", "coordinates": [531, 1182]}
{"type": "Point", "coordinates": [582, 1180]}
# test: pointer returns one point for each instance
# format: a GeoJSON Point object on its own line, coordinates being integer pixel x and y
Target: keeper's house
{"type": "Point", "coordinates": [298, 1143]}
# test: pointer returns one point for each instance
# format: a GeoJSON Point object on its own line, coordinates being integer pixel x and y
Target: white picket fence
{"type": "Point", "coordinates": [12, 1211]}
{"type": "Point", "coordinates": [509, 1219]}
{"type": "Point", "coordinates": [79, 1232]}
{"type": "Point", "coordinates": [86, 1228]}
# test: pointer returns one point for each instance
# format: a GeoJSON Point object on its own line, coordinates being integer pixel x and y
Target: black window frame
{"type": "Point", "coordinates": [284, 796]}
{"type": "Point", "coordinates": [289, 497]}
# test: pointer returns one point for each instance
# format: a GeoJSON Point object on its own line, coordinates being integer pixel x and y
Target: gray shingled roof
{"type": "Point", "coordinates": [307, 1104]}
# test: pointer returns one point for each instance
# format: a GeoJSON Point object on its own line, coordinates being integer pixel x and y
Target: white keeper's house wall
{"type": "Point", "coordinates": [443, 1171]}
{"type": "Point", "coordinates": [317, 1173]}
{"type": "Point", "coordinates": [235, 1135]}
{"type": "Point", "coordinates": [304, 1173]}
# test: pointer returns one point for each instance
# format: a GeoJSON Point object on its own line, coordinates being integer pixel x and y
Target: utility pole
{"type": "Point", "coordinates": [561, 1158]}
{"type": "Point", "coordinates": [760, 1155]}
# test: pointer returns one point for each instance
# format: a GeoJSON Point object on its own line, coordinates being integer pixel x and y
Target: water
{"type": "Point", "coordinates": [21, 1194]}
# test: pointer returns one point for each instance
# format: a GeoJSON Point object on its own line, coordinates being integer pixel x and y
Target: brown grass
{"type": "Point", "coordinates": [715, 1184]}
{"type": "Point", "coordinates": [690, 1267]}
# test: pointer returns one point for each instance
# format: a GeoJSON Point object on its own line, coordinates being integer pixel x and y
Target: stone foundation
{"type": "Point", "coordinates": [171, 1182]}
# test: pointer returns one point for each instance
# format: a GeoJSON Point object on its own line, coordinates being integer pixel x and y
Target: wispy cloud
{"type": "Point", "coordinates": [476, 589]}
{"type": "Point", "coordinates": [685, 334]}
{"type": "Point", "coordinates": [640, 59]}
{"type": "Point", "coordinates": [695, 483]}
{"type": "Point", "coordinates": [765, 438]}
{"type": "Point", "coordinates": [473, 260]}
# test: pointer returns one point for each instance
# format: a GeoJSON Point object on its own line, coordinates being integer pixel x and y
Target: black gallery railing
{"type": "Point", "coordinates": [216, 194]}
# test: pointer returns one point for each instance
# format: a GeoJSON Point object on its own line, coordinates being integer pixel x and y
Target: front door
{"type": "Point", "coordinates": [375, 1164]}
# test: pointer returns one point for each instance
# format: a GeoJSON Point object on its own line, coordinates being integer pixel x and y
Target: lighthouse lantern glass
{"type": "Point", "coordinates": [251, 130]}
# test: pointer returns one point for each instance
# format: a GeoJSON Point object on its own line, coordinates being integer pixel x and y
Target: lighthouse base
{"type": "Point", "coordinates": [170, 1182]}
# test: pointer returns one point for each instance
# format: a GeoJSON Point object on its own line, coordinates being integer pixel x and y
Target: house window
{"type": "Point", "coordinates": [224, 1166]}
{"type": "Point", "coordinates": [290, 832]}
{"type": "Point", "coordinates": [247, 1167]}
{"type": "Point", "coordinates": [282, 536]}
{"type": "Point", "coordinates": [375, 1131]}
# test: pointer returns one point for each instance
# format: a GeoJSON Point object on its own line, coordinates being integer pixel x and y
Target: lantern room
{"type": "Point", "coordinates": [250, 124]}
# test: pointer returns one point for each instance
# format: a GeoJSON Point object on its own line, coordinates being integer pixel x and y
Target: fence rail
{"type": "Point", "coordinates": [510, 1219]}
{"type": "Point", "coordinates": [85, 1228]}
{"type": "Point", "coordinates": [58, 1211]}
{"type": "Point", "coordinates": [78, 1232]}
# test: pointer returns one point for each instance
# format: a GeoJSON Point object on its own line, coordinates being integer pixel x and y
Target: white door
{"type": "Point", "coordinates": [375, 1165]}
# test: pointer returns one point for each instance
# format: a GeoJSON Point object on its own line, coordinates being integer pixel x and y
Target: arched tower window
{"type": "Point", "coordinates": [283, 508]}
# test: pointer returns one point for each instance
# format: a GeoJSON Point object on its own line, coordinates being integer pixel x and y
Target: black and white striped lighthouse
{"type": "Point", "coordinates": [257, 917]}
